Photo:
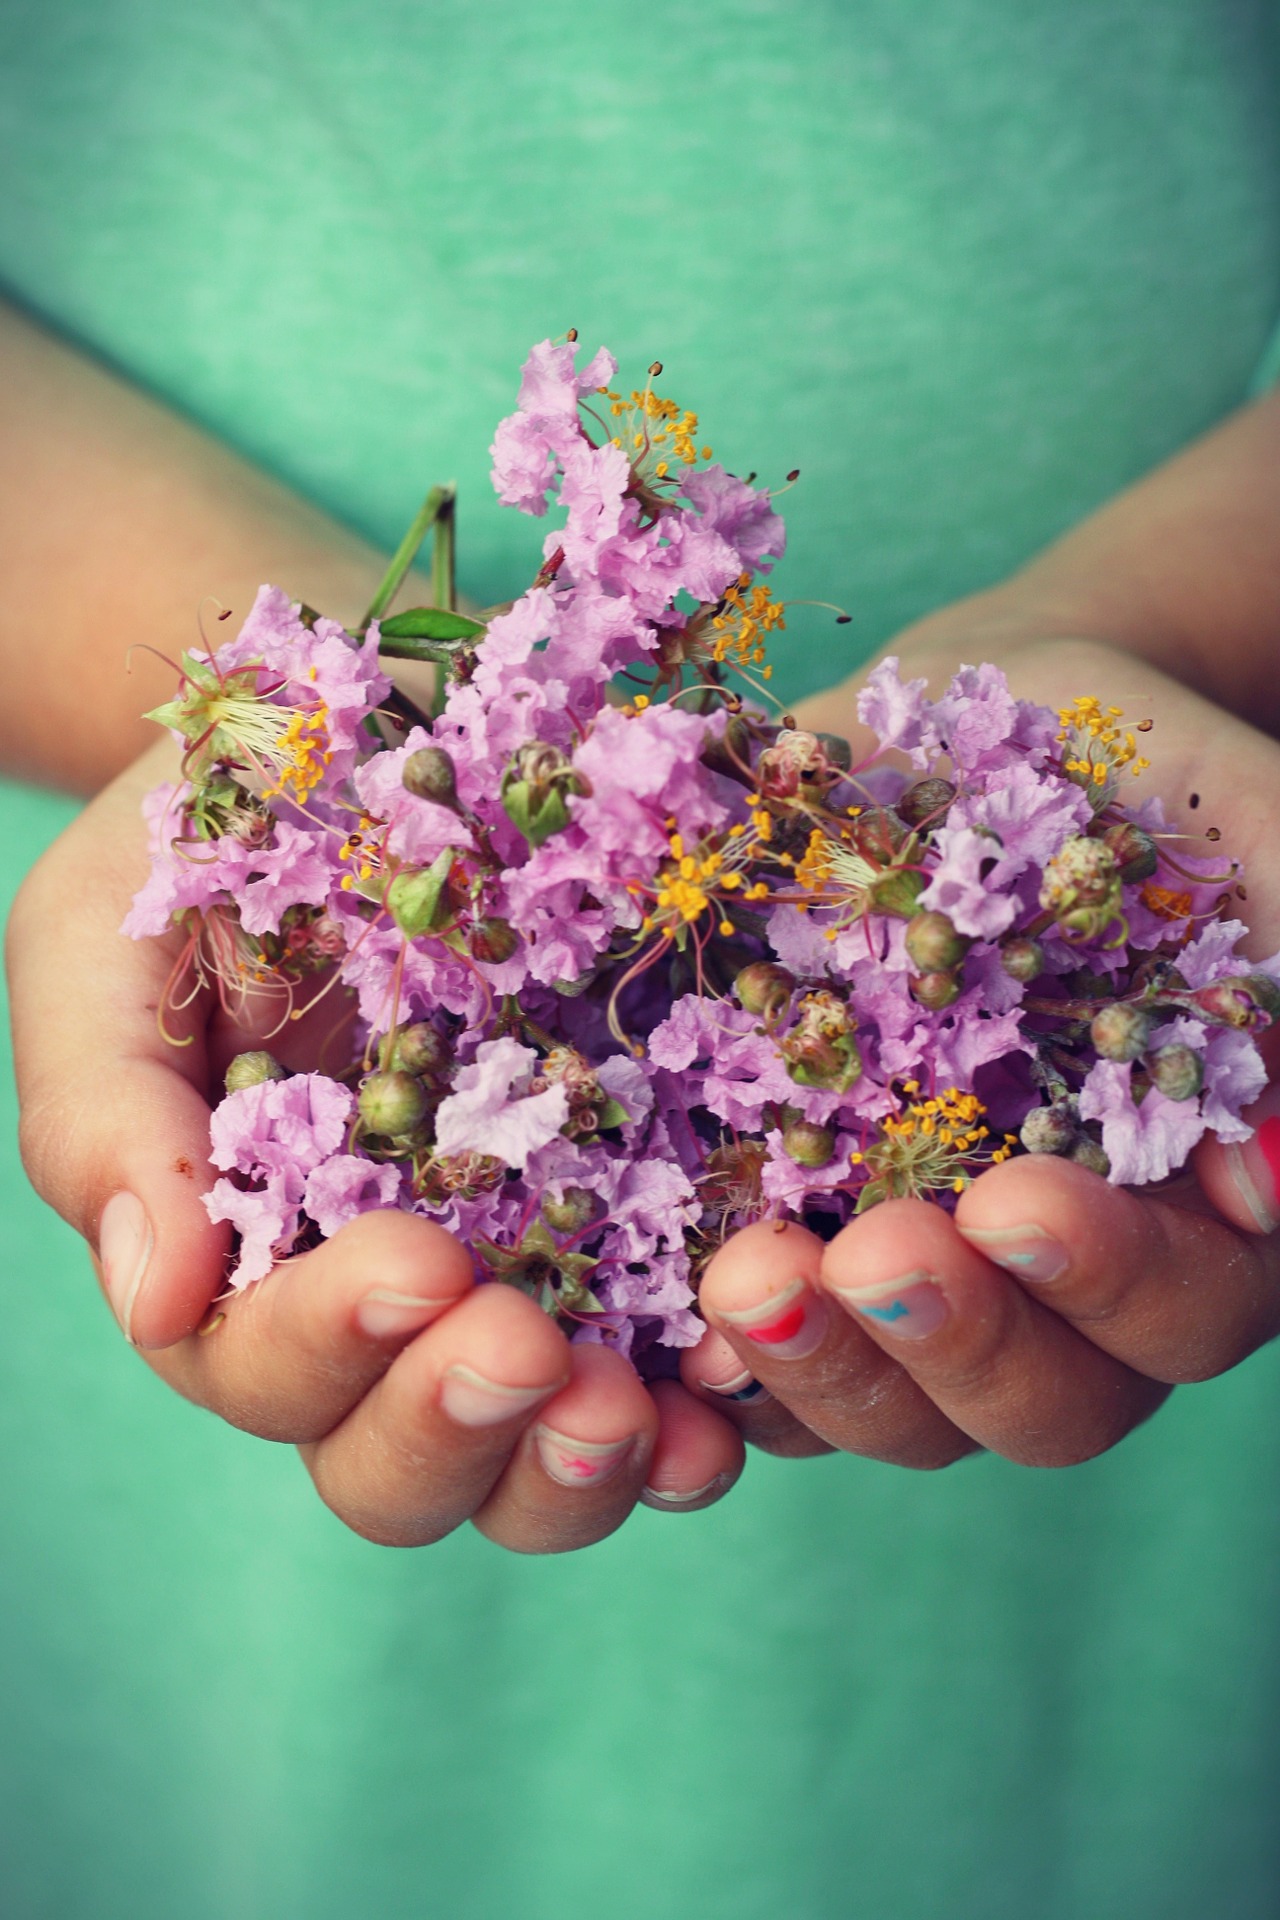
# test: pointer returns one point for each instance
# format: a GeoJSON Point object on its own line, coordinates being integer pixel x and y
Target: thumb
{"type": "Point", "coordinates": [114, 1126]}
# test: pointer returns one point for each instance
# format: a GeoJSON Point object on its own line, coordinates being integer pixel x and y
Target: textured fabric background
{"type": "Point", "coordinates": [972, 265]}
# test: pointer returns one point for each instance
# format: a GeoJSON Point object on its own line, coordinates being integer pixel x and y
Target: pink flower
{"type": "Point", "coordinates": [490, 1112]}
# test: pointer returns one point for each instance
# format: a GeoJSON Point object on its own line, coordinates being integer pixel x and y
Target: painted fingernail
{"type": "Point", "coordinates": [744, 1388]}
{"type": "Point", "coordinates": [1254, 1165]}
{"type": "Point", "coordinates": [787, 1326]}
{"type": "Point", "coordinates": [125, 1245]}
{"type": "Point", "coordinates": [1029, 1253]}
{"type": "Point", "coordinates": [669, 1502]}
{"type": "Point", "coordinates": [383, 1312]}
{"type": "Point", "coordinates": [581, 1463]}
{"type": "Point", "coordinates": [908, 1308]}
{"type": "Point", "coordinates": [476, 1401]}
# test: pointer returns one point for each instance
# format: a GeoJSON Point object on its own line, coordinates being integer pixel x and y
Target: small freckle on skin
{"type": "Point", "coordinates": [184, 1166]}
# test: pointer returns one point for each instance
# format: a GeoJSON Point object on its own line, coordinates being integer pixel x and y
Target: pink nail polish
{"type": "Point", "coordinates": [787, 1326]}
{"type": "Point", "coordinates": [581, 1463]}
{"type": "Point", "coordinates": [384, 1313]}
{"type": "Point", "coordinates": [1028, 1253]}
{"type": "Point", "coordinates": [474, 1401]}
{"type": "Point", "coordinates": [1255, 1167]}
{"type": "Point", "coordinates": [909, 1308]}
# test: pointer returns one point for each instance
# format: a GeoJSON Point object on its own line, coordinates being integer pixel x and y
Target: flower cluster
{"type": "Point", "coordinates": [620, 963]}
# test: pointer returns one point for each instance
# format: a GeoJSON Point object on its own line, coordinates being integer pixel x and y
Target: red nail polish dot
{"type": "Point", "coordinates": [1269, 1141]}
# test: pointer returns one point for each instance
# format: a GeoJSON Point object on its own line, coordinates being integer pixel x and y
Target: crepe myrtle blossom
{"type": "Point", "coordinates": [633, 962]}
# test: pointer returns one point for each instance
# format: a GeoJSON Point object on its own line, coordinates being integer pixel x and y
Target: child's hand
{"type": "Point", "coordinates": [1053, 1312]}
{"type": "Point", "coordinates": [418, 1399]}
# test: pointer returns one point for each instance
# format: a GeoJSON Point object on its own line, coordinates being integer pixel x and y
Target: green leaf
{"type": "Point", "coordinates": [429, 623]}
{"type": "Point", "coordinates": [612, 1115]}
{"type": "Point", "coordinates": [871, 1195]}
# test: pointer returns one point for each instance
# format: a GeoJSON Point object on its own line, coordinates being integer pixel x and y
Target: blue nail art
{"type": "Point", "coordinates": [896, 1312]}
{"type": "Point", "coordinates": [752, 1391]}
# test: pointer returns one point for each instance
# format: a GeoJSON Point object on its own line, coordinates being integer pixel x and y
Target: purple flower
{"type": "Point", "coordinates": [345, 1186]}
{"type": "Point", "coordinates": [1143, 1142]}
{"type": "Point", "coordinates": [490, 1112]}
{"type": "Point", "coordinates": [963, 884]}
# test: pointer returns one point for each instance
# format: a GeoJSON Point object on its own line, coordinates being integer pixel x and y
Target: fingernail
{"type": "Point", "coordinates": [125, 1246]}
{"type": "Point", "coordinates": [581, 1463]}
{"type": "Point", "coordinates": [667, 1502]}
{"type": "Point", "coordinates": [476, 1401]}
{"type": "Point", "coordinates": [787, 1326]}
{"type": "Point", "coordinates": [908, 1308]}
{"type": "Point", "coordinates": [1029, 1253]}
{"type": "Point", "coordinates": [384, 1312]}
{"type": "Point", "coordinates": [1254, 1165]}
{"type": "Point", "coordinates": [744, 1388]}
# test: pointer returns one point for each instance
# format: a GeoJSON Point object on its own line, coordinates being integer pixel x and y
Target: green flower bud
{"type": "Point", "coordinates": [253, 1070]}
{"type": "Point", "coordinates": [416, 898]}
{"type": "Point", "coordinates": [1120, 1031]}
{"type": "Point", "coordinates": [935, 990]}
{"type": "Point", "coordinates": [926, 803]}
{"type": "Point", "coordinates": [575, 1209]}
{"type": "Point", "coordinates": [1051, 1129]}
{"type": "Point", "coordinates": [1089, 1153]}
{"type": "Point", "coordinates": [419, 1049]}
{"type": "Point", "coordinates": [764, 989]}
{"type": "Point", "coordinates": [429, 773]}
{"type": "Point", "coordinates": [535, 787]}
{"type": "Point", "coordinates": [837, 749]}
{"type": "Point", "coordinates": [492, 940]}
{"type": "Point", "coordinates": [820, 1050]}
{"type": "Point", "coordinates": [391, 1103]}
{"type": "Point", "coordinates": [1134, 850]}
{"type": "Point", "coordinates": [1022, 960]}
{"type": "Point", "coordinates": [933, 943]}
{"type": "Point", "coordinates": [1081, 887]}
{"type": "Point", "coordinates": [807, 1144]}
{"type": "Point", "coordinates": [1176, 1071]}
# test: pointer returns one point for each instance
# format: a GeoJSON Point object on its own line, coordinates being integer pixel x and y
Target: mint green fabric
{"type": "Point", "coordinates": [971, 265]}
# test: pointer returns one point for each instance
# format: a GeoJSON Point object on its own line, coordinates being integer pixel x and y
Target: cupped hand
{"type": "Point", "coordinates": [417, 1398]}
{"type": "Point", "coordinates": [1053, 1312]}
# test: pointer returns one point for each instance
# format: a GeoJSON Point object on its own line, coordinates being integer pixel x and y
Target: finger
{"type": "Point", "coordinates": [580, 1467]}
{"type": "Point", "coordinates": [1166, 1287]}
{"type": "Point", "coordinates": [762, 1291]}
{"type": "Point", "coordinates": [114, 1127]}
{"type": "Point", "coordinates": [419, 1454]}
{"type": "Point", "coordinates": [1004, 1369]}
{"type": "Point", "coordinates": [1243, 1179]}
{"type": "Point", "coordinates": [288, 1358]}
{"type": "Point", "coordinates": [697, 1456]}
{"type": "Point", "coordinates": [714, 1371]}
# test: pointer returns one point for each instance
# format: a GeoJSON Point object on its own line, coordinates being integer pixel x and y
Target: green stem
{"type": "Point", "coordinates": [443, 583]}
{"type": "Point", "coordinates": [438, 502]}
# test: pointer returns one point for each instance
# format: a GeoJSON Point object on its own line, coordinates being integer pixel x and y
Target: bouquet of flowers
{"type": "Point", "coordinates": [630, 960]}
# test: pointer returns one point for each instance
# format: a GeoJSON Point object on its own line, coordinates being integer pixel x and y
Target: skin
{"type": "Point", "coordinates": [122, 518]}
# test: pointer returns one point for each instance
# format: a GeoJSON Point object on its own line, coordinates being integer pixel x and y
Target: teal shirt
{"type": "Point", "coordinates": [972, 265]}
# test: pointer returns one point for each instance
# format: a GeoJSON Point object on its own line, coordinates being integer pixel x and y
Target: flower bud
{"type": "Point", "coordinates": [416, 898]}
{"type": "Point", "coordinates": [1176, 1071]}
{"type": "Point", "coordinates": [794, 760]}
{"type": "Point", "coordinates": [1081, 887]}
{"type": "Point", "coordinates": [492, 940]}
{"type": "Point", "coordinates": [1134, 850]}
{"type": "Point", "coordinates": [1051, 1129]}
{"type": "Point", "coordinates": [1241, 1000]}
{"type": "Point", "coordinates": [1022, 960]}
{"type": "Point", "coordinates": [926, 803]}
{"type": "Point", "coordinates": [877, 834]}
{"type": "Point", "coordinates": [575, 1209]}
{"type": "Point", "coordinates": [1120, 1031]}
{"type": "Point", "coordinates": [807, 1144]}
{"type": "Point", "coordinates": [933, 943]}
{"type": "Point", "coordinates": [820, 1050]}
{"type": "Point", "coordinates": [391, 1103]}
{"type": "Point", "coordinates": [253, 1070]}
{"type": "Point", "coordinates": [419, 1049]}
{"type": "Point", "coordinates": [837, 749]}
{"type": "Point", "coordinates": [935, 990]}
{"type": "Point", "coordinates": [535, 787]}
{"type": "Point", "coordinates": [1089, 1153]}
{"type": "Point", "coordinates": [764, 989]}
{"type": "Point", "coordinates": [429, 773]}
